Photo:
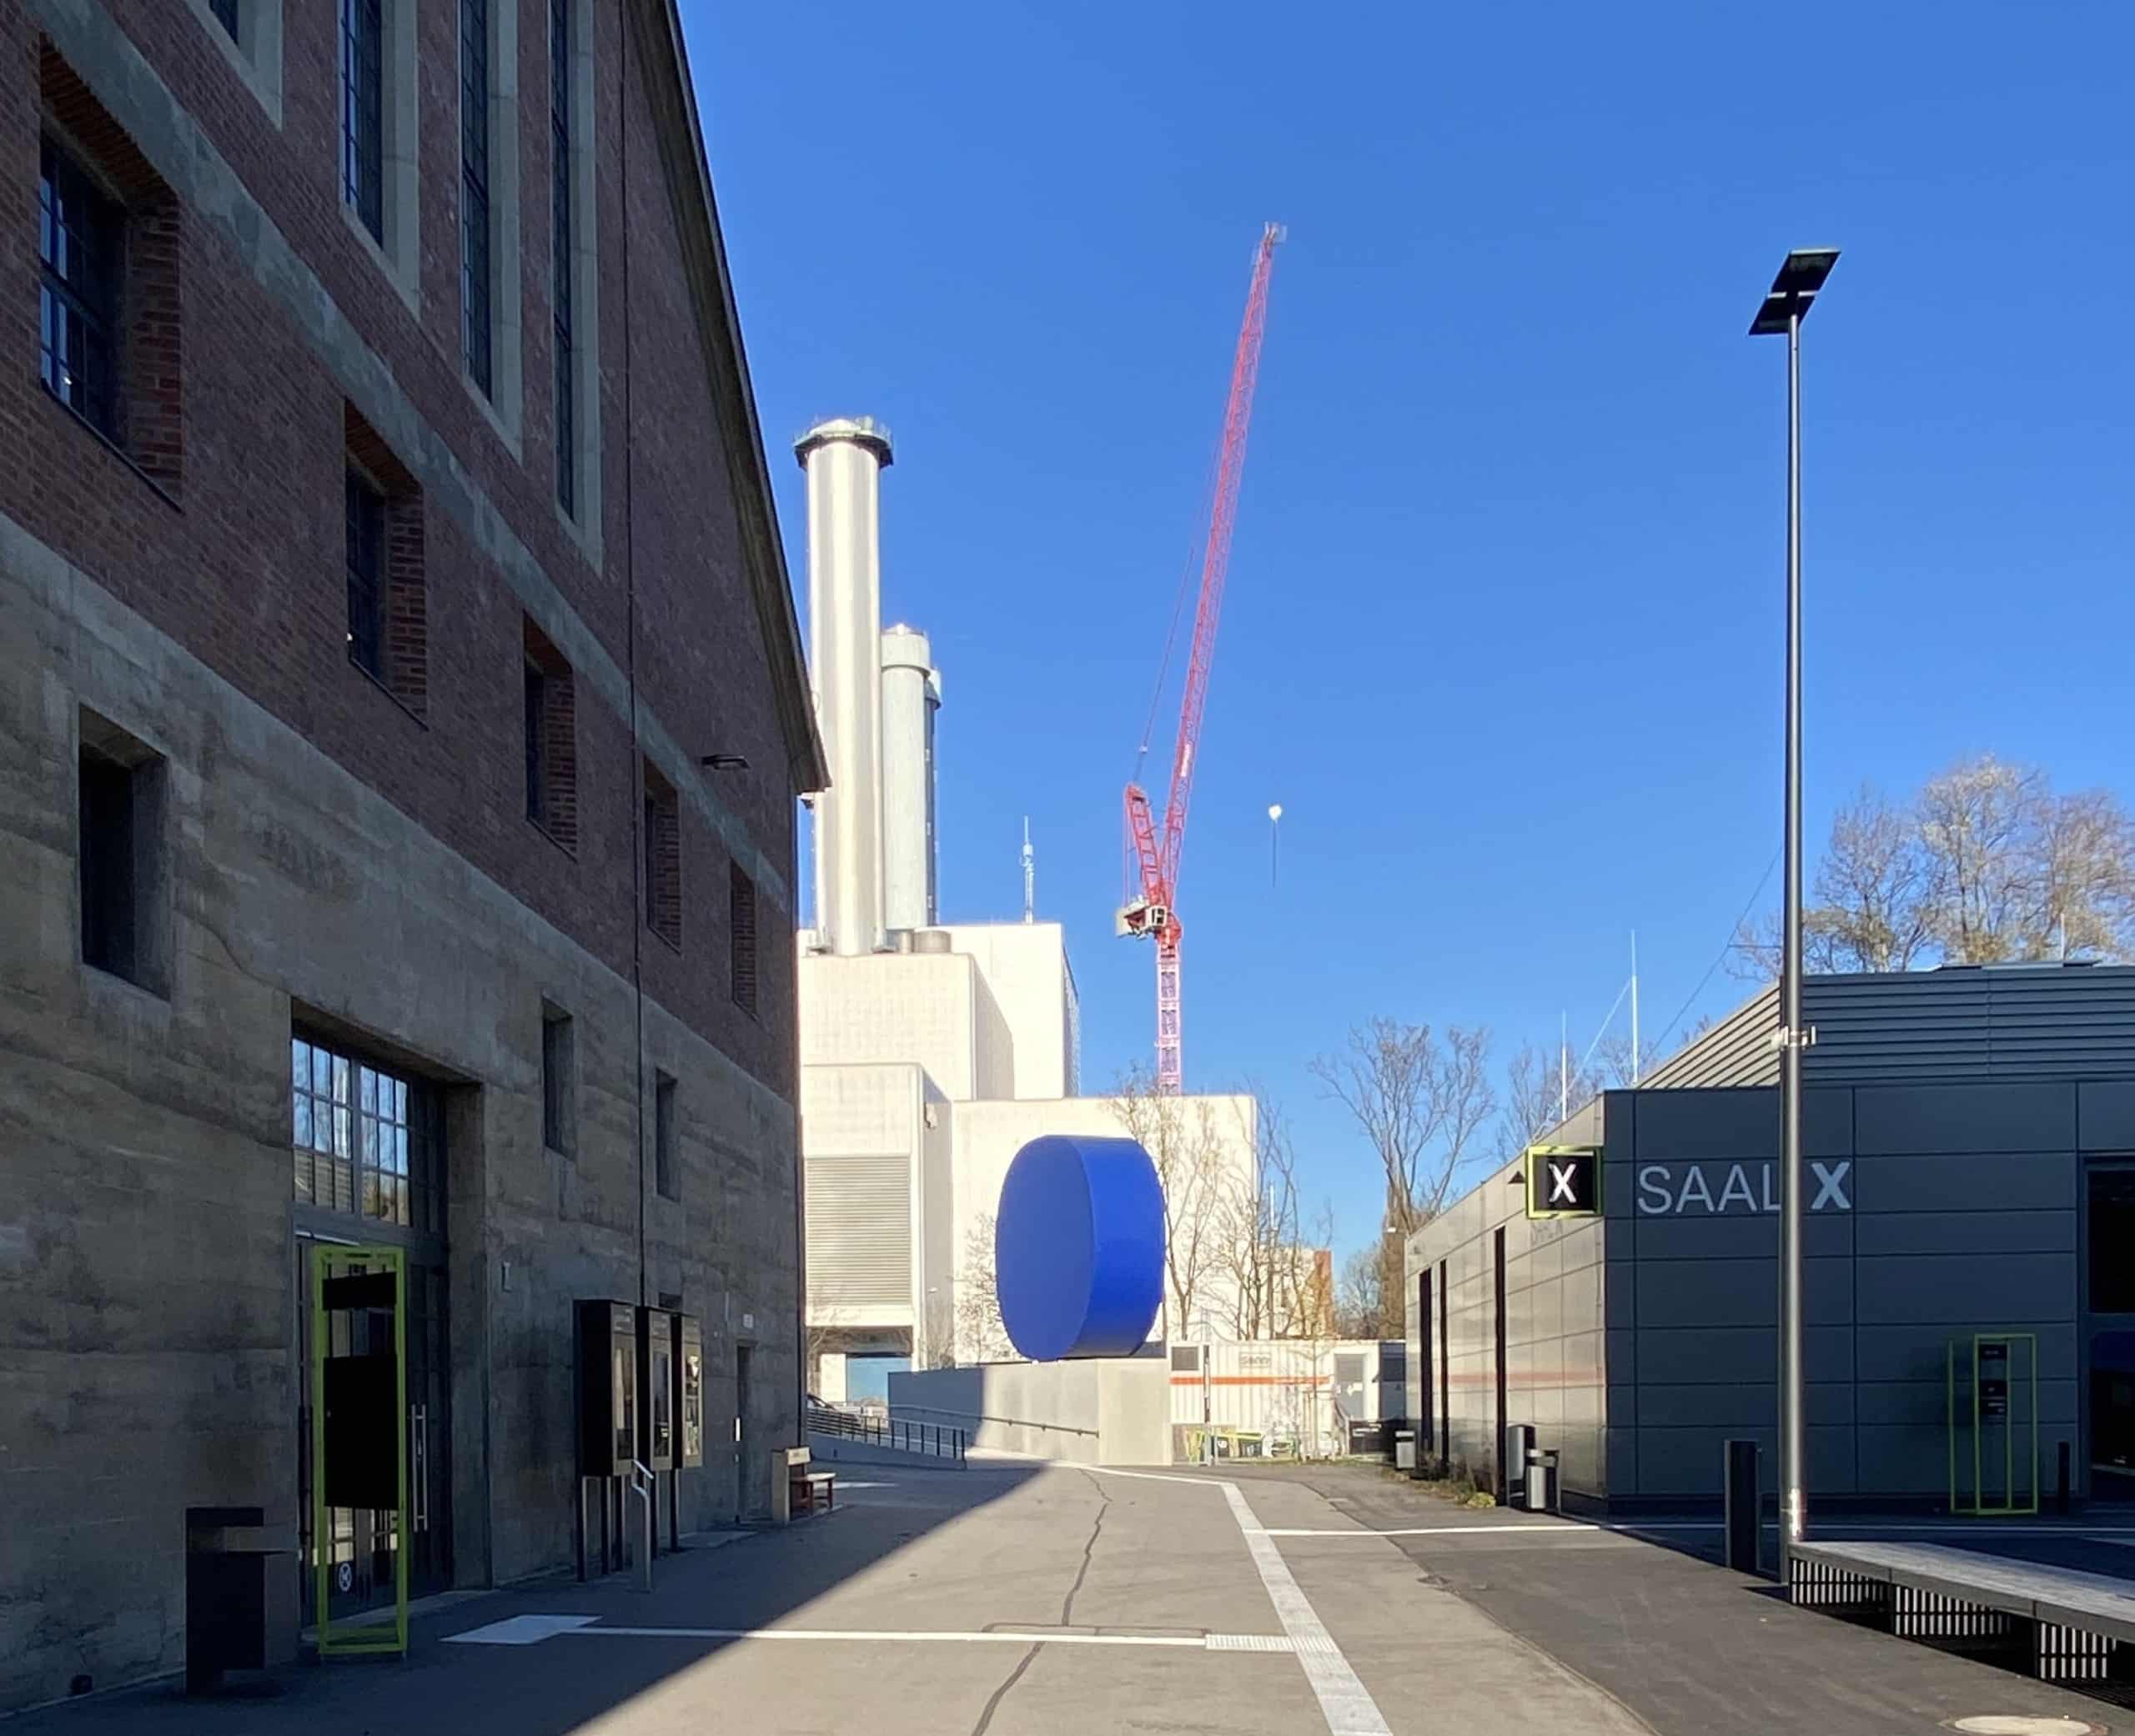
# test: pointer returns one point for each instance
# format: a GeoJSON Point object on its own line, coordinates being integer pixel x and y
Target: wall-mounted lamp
{"type": "Point", "coordinates": [725, 762]}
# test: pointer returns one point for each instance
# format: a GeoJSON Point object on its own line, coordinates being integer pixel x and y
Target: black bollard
{"type": "Point", "coordinates": [1745, 1517]}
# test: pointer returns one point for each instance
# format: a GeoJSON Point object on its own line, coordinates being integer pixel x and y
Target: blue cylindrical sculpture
{"type": "Point", "coordinates": [1078, 1248]}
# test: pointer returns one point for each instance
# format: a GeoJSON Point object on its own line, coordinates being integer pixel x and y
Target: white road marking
{"type": "Point", "coordinates": [1008, 1637]}
{"type": "Point", "coordinates": [520, 1630]}
{"type": "Point", "coordinates": [1344, 1702]}
{"type": "Point", "coordinates": [527, 1630]}
{"type": "Point", "coordinates": [1437, 1531]}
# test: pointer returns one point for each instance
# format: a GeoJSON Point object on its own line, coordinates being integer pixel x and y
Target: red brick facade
{"type": "Point", "coordinates": [236, 549]}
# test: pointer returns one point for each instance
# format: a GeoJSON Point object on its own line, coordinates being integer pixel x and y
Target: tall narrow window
{"type": "Point", "coordinates": [561, 263]}
{"type": "Point", "coordinates": [78, 244]}
{"type": "Point", "coordinates": [664, 1174]}
{"type": "Point", "coordinates": [474, 189]}
{"type": "Point", "coordinates": [366, 516]}
{"type": "Point", "coordinates": [663, 858]}
{"type": "Point", "coordinates": [362, 111]}
{"type": "Point", "coordinates": [125, 929]}
{"type": "Point", "coordinates": [558, 1097]}
{"type": "Point", "coordinates": [537, 778]}
{"type": "Point", "coordinates": [741, 926]}
{"type": "Point", "coordinates": [225, 12]}
{"type": "Point", "coordinates": [552, 726]}
{"type": "Point", "coordinates": [107, 863]}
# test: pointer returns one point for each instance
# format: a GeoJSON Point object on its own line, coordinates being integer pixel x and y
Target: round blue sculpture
{"type": "Point", "coordinates": [1078, 1248]}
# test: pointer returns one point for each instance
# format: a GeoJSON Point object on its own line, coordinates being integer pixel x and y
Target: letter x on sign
{"type": "Point", "coordinates": [1563, 1182]}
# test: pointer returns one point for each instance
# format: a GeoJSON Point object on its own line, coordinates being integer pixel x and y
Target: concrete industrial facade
{"type": "Point", "coordinates": [1969, 1168]}
{"type": "Point", "coordinates": [360, 881]}
{"type": "Point", "coordinates": [932, 1052]}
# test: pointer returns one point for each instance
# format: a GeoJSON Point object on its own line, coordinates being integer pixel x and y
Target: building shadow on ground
{"type": "Point", "coordinates": [736, 1581]}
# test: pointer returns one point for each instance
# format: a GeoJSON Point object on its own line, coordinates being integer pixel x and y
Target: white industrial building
{"type": "Point", "coordinates": [930, 1052]}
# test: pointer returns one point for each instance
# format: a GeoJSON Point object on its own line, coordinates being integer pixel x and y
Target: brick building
{"type": "Point", "coordinates": [387, 555]}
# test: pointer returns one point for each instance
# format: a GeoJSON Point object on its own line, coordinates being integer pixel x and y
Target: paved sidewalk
{"type": "Point", "coordinates": [1689, 1647]}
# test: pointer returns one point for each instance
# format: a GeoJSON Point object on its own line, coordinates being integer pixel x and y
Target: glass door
{"type": "Point", "coordinates": [2109, 1229]}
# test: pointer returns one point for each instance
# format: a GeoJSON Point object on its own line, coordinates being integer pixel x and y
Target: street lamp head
{"type": "Point", "coordinates": [1794, 290]}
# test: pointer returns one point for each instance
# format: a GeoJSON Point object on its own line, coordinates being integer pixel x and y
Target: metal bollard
{"type": "Point", "coordinates": [1744, 1509]}
{"type": "Point", "coordinates": [642, 1488]}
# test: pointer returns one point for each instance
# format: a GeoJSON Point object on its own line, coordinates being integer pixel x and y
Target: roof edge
{"type": "Point", "coordinates": [672, 95]}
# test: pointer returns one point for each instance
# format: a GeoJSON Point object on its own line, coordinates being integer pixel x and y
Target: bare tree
{"type": "Point", "coordinates": [980, 1337]}
{"type": "Point", "coordinates": [1985, 864]}
{"type": "Point", "coordinates": [1542, 1087]}
{"type": "Point", "coordinates": [1367, 1305]}
{"type": "Point", "coordinates": [1257, 1227]}
{"type": "Point", "coordinates": [1421, 1102]}
{"type": "Point", "coordinates": [1184, 1139]}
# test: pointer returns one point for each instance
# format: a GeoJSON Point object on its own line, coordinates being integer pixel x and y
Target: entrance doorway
{"type": "Point", "coordinates": [2109, 1228]}
{"type": "Point", "coordinates": [368, 1145]}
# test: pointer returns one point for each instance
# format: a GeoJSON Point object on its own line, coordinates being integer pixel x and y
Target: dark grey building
{"type": "Point", "coordinates": [1969, 1167]}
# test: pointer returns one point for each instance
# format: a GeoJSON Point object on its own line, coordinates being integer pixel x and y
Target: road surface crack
{"type": "Point", "coordinates": [1067, 1612]}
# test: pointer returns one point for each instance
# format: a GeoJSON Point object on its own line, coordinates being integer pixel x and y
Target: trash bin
{"type": "Point", "coordinates": [1541, 1483]}
{"type": "Point", "coordinates": [240, 1594]}
{"type": "Point", "coordinates": [1405, 1449]}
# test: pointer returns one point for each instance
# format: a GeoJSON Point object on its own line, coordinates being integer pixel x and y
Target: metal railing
{"type": "Point", "coordinates": [935, 1440]}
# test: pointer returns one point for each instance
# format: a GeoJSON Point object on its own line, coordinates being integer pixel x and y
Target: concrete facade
{"type": "Point", "coordinates": [1107, 1411]}
{"type": "Point", "coordinates": [329, 857]}
{"type": "Point", "coordinates": [1936, 1206]}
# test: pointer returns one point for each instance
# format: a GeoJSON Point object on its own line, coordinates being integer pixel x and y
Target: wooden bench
{"type": "Point", "coordinates": [807, 1489]}
{"type": "Point", "coordinates": [2068, 1622]}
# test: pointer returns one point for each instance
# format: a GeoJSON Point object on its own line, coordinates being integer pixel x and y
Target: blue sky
{"type": "Point", "coordinates": [1502, 627]}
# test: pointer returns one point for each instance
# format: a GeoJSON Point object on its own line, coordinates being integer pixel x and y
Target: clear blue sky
{"type": "Point", "coordinates": [1502, 628]}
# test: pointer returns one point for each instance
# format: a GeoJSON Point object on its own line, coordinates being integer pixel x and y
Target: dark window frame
{"type": "Point", "coordinates": [363, 113]}
{"type": "Point", "coordinates": [106, 849]}
{"type": "Point", "coordinates": [559, 1088]}
{"type": "Point", "coordinates": [372, 1127]}
{"type": "Point", "coordinates": [81, 271]}
{"type": "Point", "coordinates": [366, 567]}
{"type": "Point", "coordinates": [563, 217]}
{"type": "Point", "coordinates": [667, 1170]}
{"type": "Point", "coordinates": [537, 744]}
{"type": "Point", "coordinates": [477, 330]}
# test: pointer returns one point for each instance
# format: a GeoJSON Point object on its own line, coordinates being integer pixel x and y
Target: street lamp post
{"type": "Point", "coordinates": [1793, 292]}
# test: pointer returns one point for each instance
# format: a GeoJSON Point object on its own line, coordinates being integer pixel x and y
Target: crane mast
{"type": "Point", "coordinates": [1154, 915]}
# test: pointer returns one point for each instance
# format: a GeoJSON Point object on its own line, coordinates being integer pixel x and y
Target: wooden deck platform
{"type": "Point", "coordinates": [2066, 1624]}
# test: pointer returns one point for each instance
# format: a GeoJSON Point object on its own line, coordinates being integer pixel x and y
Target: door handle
{"type": "Point", "coordinates": [419, 1466]}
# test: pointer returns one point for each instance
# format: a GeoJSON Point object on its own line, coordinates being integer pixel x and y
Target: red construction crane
{"type": "Point", "coordinates": [1155, 914]}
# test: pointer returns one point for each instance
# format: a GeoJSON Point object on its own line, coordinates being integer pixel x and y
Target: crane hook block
{"type": "Point", "coordinates": [1078, 1248]}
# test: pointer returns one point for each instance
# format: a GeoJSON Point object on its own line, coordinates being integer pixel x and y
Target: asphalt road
{"type": "Point", "coordinates": [1017, 1600]}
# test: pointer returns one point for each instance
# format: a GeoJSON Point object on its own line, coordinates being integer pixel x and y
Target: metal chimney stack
{"type": "Point", "coordinates": [844, 458]}
{"type": "Point", "coordinates": [911, 693]}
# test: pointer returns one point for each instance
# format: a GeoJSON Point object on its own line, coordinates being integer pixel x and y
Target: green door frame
{"type": "Point", "coordinates": [359, 1637]}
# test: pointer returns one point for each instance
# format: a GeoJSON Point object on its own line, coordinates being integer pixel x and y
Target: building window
{"type": "Point", "coordinates": [119, 862]}
{"type": "Point", "coordinates": [389, 631]}
{"type": "Point", "coordinates": [475, 190]}
{"type": "Point", "coordinates": [363, 113]}
{"type": "Point", "coordinates": [551, 723]}
{"type": "Point", "coordinates": [366, 516]}
{"type": "Point", "coordinates": [362, 1137]}
{"type": "Point", "coordinates": [561, 168]}
{"type": "Point", "coordinates": [110, 254]}
{"type": "Point", "coordinates": [664, 1175]}
{"type": "Point", "coordinates": [225, 12]}
{"type": "Point", "coordinates": [78, 235]}
{"type": "Point", "coordinates": [663, 858]}
{"type": "Point", "coordinates": [558, 1097]}
{"type": "Point", "coordinates": [741, 926]}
